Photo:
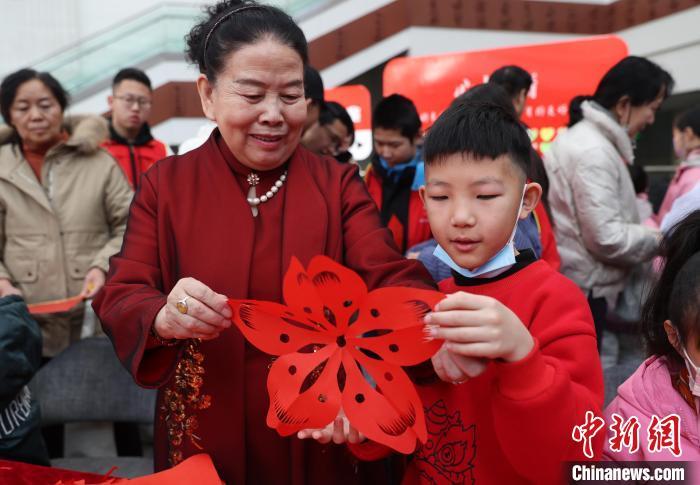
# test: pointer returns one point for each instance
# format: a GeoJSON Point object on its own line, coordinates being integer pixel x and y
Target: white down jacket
{"type": "Point", "coordinates": [593, 203]}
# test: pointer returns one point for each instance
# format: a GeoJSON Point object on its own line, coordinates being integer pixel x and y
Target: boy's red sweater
{"type": "Point", "coordinates": [514, 423]}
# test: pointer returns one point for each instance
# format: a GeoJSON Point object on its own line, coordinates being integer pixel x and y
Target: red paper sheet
{"type": "Point", "coordinates": [54, 306]}
{"type": "Point", "coordinates": [197, 469]}
{"type": "Point", "coordinates": [18, 473]}
{"type": "Point", "coordinates": [342, 346]}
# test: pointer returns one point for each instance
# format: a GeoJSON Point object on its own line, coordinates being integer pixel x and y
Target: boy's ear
{"type": "Point", "coordinates": [533, 193]}
{"type": "Point", "coordinates": [421, 193]}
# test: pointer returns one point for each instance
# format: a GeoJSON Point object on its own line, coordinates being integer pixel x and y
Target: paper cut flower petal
{"type": "Point", "coordinates": [276, 330]}
{"type": "Point", "coordinates": [390, 413]}
{"type": "Point", "coordinates": [342, 345]}
{"type": "Point", "coordinates": [304, 390]}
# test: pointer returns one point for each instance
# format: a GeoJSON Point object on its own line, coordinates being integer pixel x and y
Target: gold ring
{"type": "Point", "coordinates": [181, 305]}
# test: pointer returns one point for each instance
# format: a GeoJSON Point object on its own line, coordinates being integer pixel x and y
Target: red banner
{"type": "Point", "coordinates": [356, 99]}
{"type": "Point", "coordinates": [560, 71]}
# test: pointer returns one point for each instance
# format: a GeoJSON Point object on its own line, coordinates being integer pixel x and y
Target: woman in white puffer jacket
{"type": "Point", "coordinates": [597, 226]}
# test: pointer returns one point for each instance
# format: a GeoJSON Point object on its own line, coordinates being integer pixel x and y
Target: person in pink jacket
{"type": "Point", "coordinates": [659, 403]}
{"type": "Point", "coordinates": [686, 143]}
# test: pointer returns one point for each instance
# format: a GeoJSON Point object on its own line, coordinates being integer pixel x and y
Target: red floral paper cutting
{"type": "Point", "coordinates": [342, 346]}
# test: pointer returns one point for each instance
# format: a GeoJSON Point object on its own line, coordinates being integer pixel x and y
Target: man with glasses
{"type": "Point", "coordinates": [332, 133]}
{"type": "Point", "coordinates": [130, 141]}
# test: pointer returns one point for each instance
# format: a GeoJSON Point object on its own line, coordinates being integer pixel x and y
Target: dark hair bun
{"type": "Point", "coordinates": [195, 39]}
{"type": "Point", "coordinates": [222, 32]}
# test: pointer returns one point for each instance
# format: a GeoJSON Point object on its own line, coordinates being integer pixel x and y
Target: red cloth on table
{"type": "Point", "coordinates": [196, 469]}
{"type": "Point", "coordinates": [190, 218]}
{"type": "Point", "coordinates": [18, 473]}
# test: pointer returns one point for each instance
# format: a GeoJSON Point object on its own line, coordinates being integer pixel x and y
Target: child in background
{"type": "Point", "coordinates": [396, 171]}
{"type": "Point", "coordinates": [668, 382]}
{"type": "Point", "coordinates": [686, 143]}
{"type": "Point", "coordinates": [522, 333]}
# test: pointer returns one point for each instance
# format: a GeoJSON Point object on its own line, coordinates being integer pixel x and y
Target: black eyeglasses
{"type": "Point", "coordinates": [131, 100]}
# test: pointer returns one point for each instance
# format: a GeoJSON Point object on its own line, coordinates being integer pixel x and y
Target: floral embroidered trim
{"type": "Point", "coordinates": [182, 399]}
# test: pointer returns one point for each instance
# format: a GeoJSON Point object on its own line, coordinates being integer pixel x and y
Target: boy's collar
{"type": "Point", "coordinates": [400, 167]}
{"type": "Point", "coordinates": [522, 260]}
{"type": "Point", "coordinates": [412, 171]}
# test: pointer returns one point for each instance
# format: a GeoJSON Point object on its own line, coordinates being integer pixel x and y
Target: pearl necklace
{"type": "Point", "coordinates": [253, 179]}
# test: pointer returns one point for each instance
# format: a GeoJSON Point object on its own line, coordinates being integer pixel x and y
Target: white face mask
{"type": "Point", "coordinates": [504, 258]}
{"type": "Point", "coordinates": [693, 374]}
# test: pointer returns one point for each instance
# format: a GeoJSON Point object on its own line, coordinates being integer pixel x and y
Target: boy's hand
{"type": "Point", "coordinates": [456, 368]}
{"type": "Point", "coordinates": [479, 326]}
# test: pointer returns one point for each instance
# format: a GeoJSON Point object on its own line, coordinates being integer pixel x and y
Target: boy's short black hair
{"type": "Point", "coordinates": [480, 130]}
{"type": "Point", "coordinates": [512, 78]}
{"type": "Point", "coordinates": [487, 93]}
{"type": "Point", "coordinates": [132, 74]}
{"type": "Point", "coordinates": [398, 113]}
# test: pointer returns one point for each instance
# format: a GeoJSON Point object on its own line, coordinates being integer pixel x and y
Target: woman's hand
{"type": "Point", "coordinates": [206, 313]}
{"type": "Point", "coordinates": [7, 289]}
{"type": "Point", "coordinates": [94, 281]}
{"type": "Point", "coordinates": [339, 431]}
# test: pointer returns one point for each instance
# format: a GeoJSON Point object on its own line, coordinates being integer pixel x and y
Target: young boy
{"type": "Point", "coordinates": [396, 171]}
{"type": "Point", "coordinates": [520, 357]}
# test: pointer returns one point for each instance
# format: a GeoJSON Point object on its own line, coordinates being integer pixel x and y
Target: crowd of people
{"type": "Point", "coordinates": [535, 254]}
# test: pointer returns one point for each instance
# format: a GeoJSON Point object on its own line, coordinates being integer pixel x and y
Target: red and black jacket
{"type": "Point", "coordinates": [137, 157]}
{"type": "Point", "coordinates": [399, 204]}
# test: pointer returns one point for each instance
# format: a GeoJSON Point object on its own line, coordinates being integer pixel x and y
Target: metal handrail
{"type": "Point", "coordinates": [157, 31]}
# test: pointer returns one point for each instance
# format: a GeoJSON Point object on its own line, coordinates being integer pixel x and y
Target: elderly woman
{"type": "Point", "coordinates": [63, 202]}
{"type": "Point", "coordinates": [593, 202]}
{"type": "Point", "coordinates": [224, 220]}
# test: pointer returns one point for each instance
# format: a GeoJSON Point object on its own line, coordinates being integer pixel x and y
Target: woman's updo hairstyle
{"type": "Point", "coordinates": [636, 77]}
{"type": "Point", "coordinates": [232, 24]}
{"type": "Point", "coordinates": [575, 109]}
